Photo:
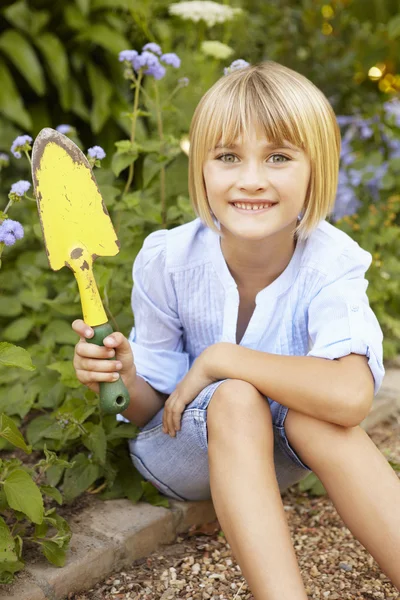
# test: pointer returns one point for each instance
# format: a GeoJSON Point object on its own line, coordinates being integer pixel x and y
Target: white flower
{"type": "Point", "coordinates": [208, 11]}
{"type": "Point", "coordinates": [216, 49]}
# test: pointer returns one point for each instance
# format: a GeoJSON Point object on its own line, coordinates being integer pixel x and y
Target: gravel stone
{"type": "Point", "coordinates": [200, 565]}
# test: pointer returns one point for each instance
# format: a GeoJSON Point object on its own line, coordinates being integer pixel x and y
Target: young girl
{"type": "Point", "coordinates": [255, 355]}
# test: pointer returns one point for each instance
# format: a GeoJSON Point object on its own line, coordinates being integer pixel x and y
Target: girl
{"type": "Point", "coordinates": [255, 355]}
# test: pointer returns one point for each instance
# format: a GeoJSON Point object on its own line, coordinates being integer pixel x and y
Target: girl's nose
{"type": "Point", "coordinates": [253, 177]}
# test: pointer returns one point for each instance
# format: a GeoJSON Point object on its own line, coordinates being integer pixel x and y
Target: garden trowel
{"type": "Point", "coordinates": [77, 229]}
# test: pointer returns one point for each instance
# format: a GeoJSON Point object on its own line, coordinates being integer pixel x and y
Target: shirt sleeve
{"type": "Point", "coordinates": [340, 320]}
{"type": "Point", "coordinates": [157, 337]}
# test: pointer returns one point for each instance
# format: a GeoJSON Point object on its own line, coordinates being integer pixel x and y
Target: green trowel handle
{"type": "Point", "coordinates": [114, 397]}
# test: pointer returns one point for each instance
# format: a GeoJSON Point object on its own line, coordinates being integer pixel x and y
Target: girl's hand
{"type": "Point", "coordinates": [90, 361]}
{"type": "Point", "coordinates": [197, 378]}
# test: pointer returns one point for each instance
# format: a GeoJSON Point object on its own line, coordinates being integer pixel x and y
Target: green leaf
{"type": "Point", "coordinates": [19, 329]}
{"type": "Point", "coordinates": [153, 496]}
{"type": "Point", "coordinates": [52, 492]}
{"type": "Point", "coordinates": [24, 495]}
{"type": "Point", "coordinates": [59, 332]}
{"type": "Point", "coordinates": [388, 182]}
{"type": "Point", "coordinates": [54, 554]}
{"type": "Point", "coordinates": [10, 432]}
{"type": "Point", "coordinates": [10, 306]}
{"type": "Point", "coordinates": [55, 56]}
{"type": "Point", "coordinates": [80, 477]}
{"type": "Point", "coordinates": [11, 105]}
{"type": "Point", "coordinates": [20, 52]}
{"type": "Point", "coordinates": [84, 6]}
{"type": "Point", "coordinates": [67, 372]}
{"type": "Point", "coordinates": [96, 442]}
{"type": "Point", "coordinates": [19, 15]}
{"type": "Point", "coordinates": [120, 162]}
{"type": "Point", "coordinates": [128, 4]}
{"type": "Point", "coordinates": [394, 27]}
{"type": "Point", "coordinates": [9, 562]}
{"type": "Point", "coordinates": [14, 356]}
{"type": "Point", "coordinates": [17, 401]}
{"type": "Point", "coordinates": [73, 18]}
{"type": "Point", "coordinates": [101, 91]}
{"type": "Point", "coordinates": [104, 36]}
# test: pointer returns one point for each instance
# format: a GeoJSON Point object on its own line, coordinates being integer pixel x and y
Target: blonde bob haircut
{"type": "Point", "coordinates": [286, 106]}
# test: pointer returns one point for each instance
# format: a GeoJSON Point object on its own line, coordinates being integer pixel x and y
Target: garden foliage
{"type": "Point", "coordinates": [95, 67]}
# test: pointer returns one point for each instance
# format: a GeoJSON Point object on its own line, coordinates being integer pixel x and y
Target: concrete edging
{"type": "Point", "coordinates": [121, 532]}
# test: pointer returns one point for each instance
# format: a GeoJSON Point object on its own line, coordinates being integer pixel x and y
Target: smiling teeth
{"type": "Point", "coordinates": [251, 206]}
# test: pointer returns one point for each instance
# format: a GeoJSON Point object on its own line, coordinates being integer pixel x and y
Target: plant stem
{"type": "Point", "coordinates": [133, 129]}
{"type": "Point", "coordinates": [162, 172]}
{"type": "Point", "coordinates": [28, 157]}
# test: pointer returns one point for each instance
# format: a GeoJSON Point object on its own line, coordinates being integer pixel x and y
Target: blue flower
{"type": "Point", "coordinates": [392, 109]}
{"type": "Point", "coordinates": [236, 65]}
{"type": "Point", "coordinates": [20, 188]}
{"type": "Point", "coordinates": [96, 152]}
{"type": "Point", "coordinates": [157, 71]}
{"type": "Point", "coordinates": [171, 59]}
{"type": "Point", "coordinates": [128, 55]}
{"type": "Point", "coordinates": [152, 47]}
{"type": "Point", "coordinates": [10, 231]}
{"type": "Point", "coordinates": [146, 59]}
{"type": "Point", "coordinates": [64, 129]}
{"type": "Point", "coordinates": [346, 202]}
{"type": "Point", "coordinates": [22, 142]}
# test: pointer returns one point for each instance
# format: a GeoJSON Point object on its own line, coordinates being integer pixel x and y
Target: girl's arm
{"type": "Point", "coordinates": [145, 402]}
{"type": "Point", "coordinates": [338, 391]}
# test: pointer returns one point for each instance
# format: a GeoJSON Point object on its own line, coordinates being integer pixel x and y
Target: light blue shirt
{"type": "Point", "coordinates": [185, 299]}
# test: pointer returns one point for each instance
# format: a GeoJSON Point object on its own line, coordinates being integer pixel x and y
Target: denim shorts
{"type": "Point", "coordinates": [178, 466]}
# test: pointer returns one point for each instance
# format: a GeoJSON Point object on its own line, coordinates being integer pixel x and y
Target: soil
{"type": "Point", "coordinates": [200, 565]}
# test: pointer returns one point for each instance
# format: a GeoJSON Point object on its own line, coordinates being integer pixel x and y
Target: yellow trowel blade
{"type": "Point", "coordinates": [75, 222]}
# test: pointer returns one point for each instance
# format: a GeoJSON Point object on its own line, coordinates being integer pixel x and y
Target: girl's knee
{"type": "Point", "coordinates": [237, 401]}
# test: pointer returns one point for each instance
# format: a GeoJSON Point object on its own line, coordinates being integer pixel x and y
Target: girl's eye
{"type": "Point", "coordinates": [224, 155]}
{"type": "Point", "coordinates": [279, 156]}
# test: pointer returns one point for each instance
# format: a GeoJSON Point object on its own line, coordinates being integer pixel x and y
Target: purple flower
{"type": "Point", "coordinates": [152, 47]}
{"type": "Point", "coordinates": [394, 146]}
{"type": "Point", "coordinates": [157, 71]}
{"type": "Point", "coordinates": [346, 202]}
{"type": "Point", "coordinates": [96, 152]}
{"type": "Point", "coordinates": [20, 188]}
{"type": "Point", "coordinates": [171, 59]}
{"type": "Point", "coordinates": [146, 59]}
{"type": "Point", "coordinates": [22, 142]}
{"type": "Point", "coordinates": [236, 65]}
{"type": "Point", "coordinates": [128, 55]}
{"type": "Point", "coordinates": [64, 129]}
{"type": "Point", "coordinates": [184, 81]}
{"type": "Point", "coordinates": [10, 231]}
{"type": "Point", "coordinates": [392, 108]}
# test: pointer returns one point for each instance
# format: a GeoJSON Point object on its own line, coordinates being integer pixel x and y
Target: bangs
{"type": "Point", "coordinates": [249, 104]}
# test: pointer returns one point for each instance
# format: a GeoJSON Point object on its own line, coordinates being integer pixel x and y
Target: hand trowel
{"type": "Point", "coordinates": [76, 229]}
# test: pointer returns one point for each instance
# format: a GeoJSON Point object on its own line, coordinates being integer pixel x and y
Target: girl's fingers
{"type": "Point", "coordinates": [87, 377]}
{"type": "Point", "coordinates": [93, 351]}
{"type": "Point", "coordinates": [102, 366]}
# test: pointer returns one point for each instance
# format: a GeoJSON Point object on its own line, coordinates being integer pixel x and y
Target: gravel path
{"type": "Point", "coordinates": [200, 565]}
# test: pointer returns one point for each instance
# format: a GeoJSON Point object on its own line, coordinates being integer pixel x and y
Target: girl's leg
{"type": "Point", "coordinates": [362, 485]}
{"type": "Point", "coordinates": [245, 491]}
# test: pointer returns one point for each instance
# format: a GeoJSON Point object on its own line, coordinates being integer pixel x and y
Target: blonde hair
{"type": "Point", "coordinates": [287, 106]}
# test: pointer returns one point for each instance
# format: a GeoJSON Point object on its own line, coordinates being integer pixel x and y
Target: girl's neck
{"type": "Point", "coordinates": [256, 264]}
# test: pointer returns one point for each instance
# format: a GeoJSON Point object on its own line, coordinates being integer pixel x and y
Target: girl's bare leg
{"type": "Point", "coordinates": [362, 485]}
{"type": "Point", "coordinates": [246, 494]}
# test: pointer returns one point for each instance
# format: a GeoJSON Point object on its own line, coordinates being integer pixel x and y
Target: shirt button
{"type": "Point", "coordinates": [354, 307]}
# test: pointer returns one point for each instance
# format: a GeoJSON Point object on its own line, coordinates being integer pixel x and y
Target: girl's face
{"type": "Point", "coordinates": [255, 170]}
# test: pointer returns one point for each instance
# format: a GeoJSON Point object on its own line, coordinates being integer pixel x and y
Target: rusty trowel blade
{"type": "Point", "coordinates": [73, 216]}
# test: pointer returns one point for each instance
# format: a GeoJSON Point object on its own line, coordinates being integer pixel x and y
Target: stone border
{"type": "Point", "coordinates": [122, 532]}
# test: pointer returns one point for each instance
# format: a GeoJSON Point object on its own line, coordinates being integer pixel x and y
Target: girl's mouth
{"type": "Point", "coordinates": [256, 209]}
